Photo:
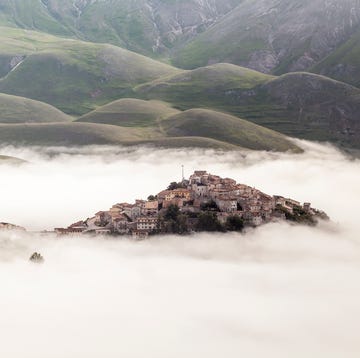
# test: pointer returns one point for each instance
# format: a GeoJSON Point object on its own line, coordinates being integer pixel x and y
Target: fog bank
{"type": "Point", "coordinates": [279, 291]}
{"type": "Point", "coordinates": [57, 189]}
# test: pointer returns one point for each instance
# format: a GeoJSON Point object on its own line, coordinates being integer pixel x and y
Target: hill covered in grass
{"type": "Point", "coordinates": [81, 134]}
{"type": "Point", "coordinates": [57, 134]}
{"type": "Point", "coordinates": [301, 105]}
{"type": "Point", "coordinates": [204, 86]}
{"type": "Point", "coordinates": [15, 109]}
{"type": "Point", "coordinates": [130, 112]}
{"type": "Point", "coordinates": [227, 128]}
{"type": "Point", "coordinates": [72, 75]}
{"type": "Point", "coordinates": [195, 128]}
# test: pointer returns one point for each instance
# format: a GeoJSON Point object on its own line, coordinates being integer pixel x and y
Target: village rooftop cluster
{"type": "Point", "coordinates": [203, 192]}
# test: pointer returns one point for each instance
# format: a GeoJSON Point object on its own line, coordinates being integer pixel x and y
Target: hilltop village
{"type": "Point", "coordinates": [205, 202]}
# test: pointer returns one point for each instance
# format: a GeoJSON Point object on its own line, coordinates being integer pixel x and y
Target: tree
{"type": "Point", "coordinates": [210, 206]}
{"type": "Point", "coordinates": [151, 198]}
{"type": "Point", "coordinates": [234, 223]}
{"type": "Point", "coordinates": [174, 221]}
{"type": "Point", "coordinates": [172, 212]}
{"type": "Point", "coordinates": [208, 221]}
{"type": "Point", "coordinates": [174, 185]}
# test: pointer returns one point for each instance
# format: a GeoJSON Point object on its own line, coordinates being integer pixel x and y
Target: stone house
{"type": "Point", "coordinates": [132, 211]}
{"type": "Point", "coordinates": [227, 204]}
{"type": "Point", "coordinates": [121, 224]}
{"type": "Point", "coordinates": [200, 190]}
{"type": "Point", "coordinates": [148, 224]}
{"type": "Point", "coordinates": [151, 208]}
{"type": "Point", "coordinates": [180, 202]}
{"type": "Point", "coordinates": [102, 218]}
{"type": "Point", "coordinates": [182, 193]}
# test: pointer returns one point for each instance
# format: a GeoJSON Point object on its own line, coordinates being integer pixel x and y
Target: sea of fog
{"type": "Point", "coordinates": [278, 291]}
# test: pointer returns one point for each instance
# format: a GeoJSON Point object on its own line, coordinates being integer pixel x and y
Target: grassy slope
{"type": "Point", "coordinates": [78, 134]}
{"type": "Point", "coordinates": [220, 126]}
{"type": "Point", "coordinates": [130, 112]}
{"type": "Point", "coordinates": [194, 128]}
{"type": "Point", "coordinates": [299, 104]}
{"type": "Point", "coordinates": [192, 123]}
{"type": "Point", "coordinates": [202, 87]}
{"type": "Point", "coordinates": [313, 107]}
{"type": "Point", "coordinates": [22, 110]}
{"type": "Point", "coordinates": [71, 134]}
{"type": "Point", "coordinates": [72, 75]}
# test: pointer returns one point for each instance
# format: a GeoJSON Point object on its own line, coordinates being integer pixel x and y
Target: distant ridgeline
{"type": "Point", "coordinates": [205, 202]}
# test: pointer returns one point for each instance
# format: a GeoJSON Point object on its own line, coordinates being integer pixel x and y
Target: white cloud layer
{"type": "Point", "coordinates": [278, 291]}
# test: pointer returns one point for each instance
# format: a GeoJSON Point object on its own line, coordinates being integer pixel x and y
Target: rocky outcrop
{"type": "Point", "coordinates": [148, 26]}
{"type": "Point", "coordinates": [9, 63]}
{"type": "Point", "coordinates": [276, 36]}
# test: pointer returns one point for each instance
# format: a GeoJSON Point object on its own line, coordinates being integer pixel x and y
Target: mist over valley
{"type": "Point", "coordinates": [201, 295]}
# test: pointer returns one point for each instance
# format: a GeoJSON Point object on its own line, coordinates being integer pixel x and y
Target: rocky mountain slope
{"type": "Point", "coordinates": [275, 36]}
{"type": "Point", "coordinates": [146, 26]}
{"type": "Point", "coordinates": [343, 64]}
{"type": "Point", "coordinates": [270, 36]}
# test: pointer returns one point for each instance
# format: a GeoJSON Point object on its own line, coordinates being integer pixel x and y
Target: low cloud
{"type": "Point", "coordinates": [59, 186]}
{"type": "Point", "coordinates": [277, 291]}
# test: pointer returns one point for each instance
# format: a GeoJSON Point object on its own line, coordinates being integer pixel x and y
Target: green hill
{"type": "Point", "coordinates": [187, 142]}
{"type": "Point", "coordinates": [22, 110]}
{"type": "Point", "coordinates": [80, 134]}
{"type": "Point", "coordinates": [205, 86]}
{"type": "Point", "coordinates": [195, 128]}
{"type": "Point", "coordinates": [223, 127]}
{"type": "Point", "coordinates": [73, 76]}
{"type": "Point", "coordinates": [194, 123]}
{"type": "Point", "coordinates": [312, 107]}
{"type": "Point", "coordinates": [58, 134]}
{"type": "Point", "coordinates": [130, 112]}
{"type": "Point", "coordinates": [301, 105]}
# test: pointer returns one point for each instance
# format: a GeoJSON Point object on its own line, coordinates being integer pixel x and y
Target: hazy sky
{"type": "Point", "coordinates": [278, 291]}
